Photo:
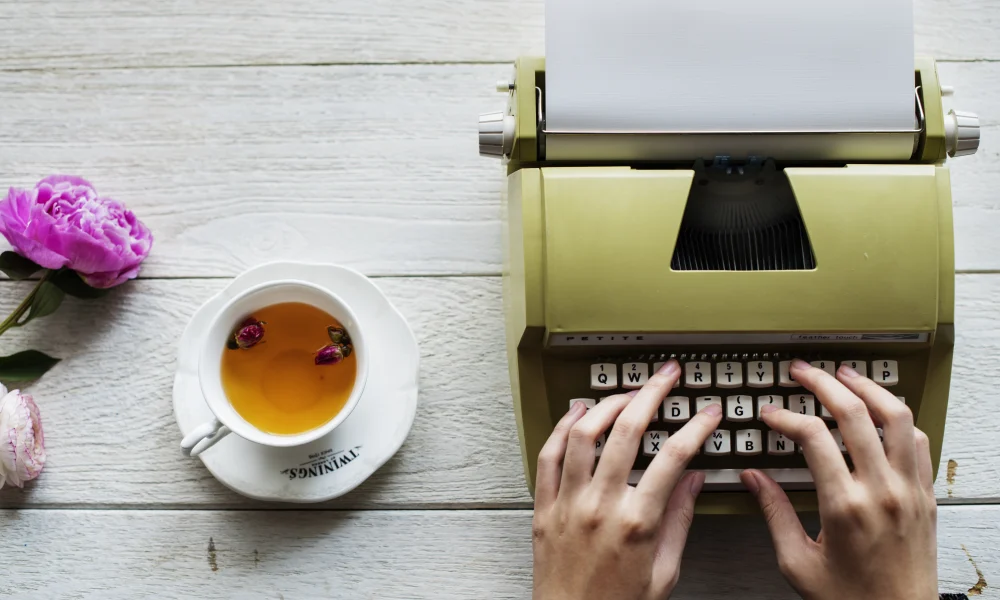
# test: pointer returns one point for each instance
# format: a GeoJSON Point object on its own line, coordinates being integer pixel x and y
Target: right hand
{"type": "Point", "coordinates": [878, 536]}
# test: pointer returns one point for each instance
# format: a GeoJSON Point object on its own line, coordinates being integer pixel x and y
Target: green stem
{"type": "Point", "coordinates": [13, 320]}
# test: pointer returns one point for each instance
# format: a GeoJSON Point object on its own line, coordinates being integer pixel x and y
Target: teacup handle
{"type": "Point", "coordinates": [203, 437]}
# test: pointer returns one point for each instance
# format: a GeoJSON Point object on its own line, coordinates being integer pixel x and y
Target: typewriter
{"type": "Point", "coordinates": [730, 263]}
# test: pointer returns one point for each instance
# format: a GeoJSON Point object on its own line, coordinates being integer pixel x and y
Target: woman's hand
{"type": "Point", "coordinates": [594, 535]}
{"type": "Point", "coordinates": [878, 537]}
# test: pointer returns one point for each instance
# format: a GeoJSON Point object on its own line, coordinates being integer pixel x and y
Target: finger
{"type": "Point", "coordinates": [895, 417]}
{"type": "Point", "coordinates": [829, 470]}
{"type": "Point", "coordinates": [623, 443]}
{"type": "Point", "coordinates": [852, 417]}
{"type": "Point", "coordinates": [660, 478]}
{"type": "Point", "coordinates": [792, 544]}
{"type": "Point", "coordinates": [677, 519]}
{"type": "Point", "coordinates": [925, 470]}
{"type": "Point", "coordinates": [581, 450]}
{"type": "Point", "coordinates": [550, 459]}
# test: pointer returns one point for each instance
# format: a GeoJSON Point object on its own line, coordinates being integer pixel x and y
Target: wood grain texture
{"type": "Point", "coordinates": [976, 179]}
{"type": "Point", "coordinates": [373, 554]}
{"type": "Point", "coordinates": [112, 440]}
{"type": "Point", "coordinates": [245, 159]}
{"type": "Point", "coordinates": [111, 434]}
{"type": "Point", "coordinates": [140, 33]}
{"type": "Point", "coordinates": [373, 167]}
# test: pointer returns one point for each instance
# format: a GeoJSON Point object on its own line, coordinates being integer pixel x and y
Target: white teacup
{"type": "Point", "coordinates": [227, 420]}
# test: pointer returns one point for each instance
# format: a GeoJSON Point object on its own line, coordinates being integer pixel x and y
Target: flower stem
{"type": "Point", "coordinates": [13, 320]}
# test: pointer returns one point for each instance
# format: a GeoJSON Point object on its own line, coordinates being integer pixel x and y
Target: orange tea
{"type": "Point", "coordinates": [273, 379]}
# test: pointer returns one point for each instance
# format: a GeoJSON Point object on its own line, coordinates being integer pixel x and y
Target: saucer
{"type": "Point", "coordinates": [340, 461]}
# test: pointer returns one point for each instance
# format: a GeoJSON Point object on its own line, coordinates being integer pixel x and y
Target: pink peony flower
{"type": "Point", "coordinates": [22, 443]}
{"type": "Point", "coordinates": [62, 222]}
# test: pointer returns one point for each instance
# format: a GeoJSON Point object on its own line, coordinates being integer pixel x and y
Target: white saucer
{"type": "Point", "coordinates": [339, 462]}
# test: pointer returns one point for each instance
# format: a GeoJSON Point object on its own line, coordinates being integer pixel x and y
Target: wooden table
{"type": "Point", "coordinates": [254, 130]}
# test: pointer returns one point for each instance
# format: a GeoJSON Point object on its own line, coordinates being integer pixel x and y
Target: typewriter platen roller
{"type": "Point", "coordinates": [623, 249]}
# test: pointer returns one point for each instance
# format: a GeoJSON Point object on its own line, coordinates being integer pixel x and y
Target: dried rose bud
{"type": "Point", "coordinates": [329, 355]}
{"type": "Point", "coordinates": [250, 333]}
{"type": "Point", "coordinates": [338, 335]}
{"type": "Point", "coordinates": [347, 350]}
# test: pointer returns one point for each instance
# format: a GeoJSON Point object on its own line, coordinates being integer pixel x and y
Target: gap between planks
{"type": "Point", "coordinates": [413, 511]}
{"type": "Point", "coordinates": [404, 276]}
{"type": "Point", "coordinates": [464, 507]}
{"type": "Point", "coordinates": [274, 65]}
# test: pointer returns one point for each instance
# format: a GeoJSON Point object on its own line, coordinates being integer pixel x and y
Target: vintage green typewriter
{"type": "Point", "coordinates": [622, 252]}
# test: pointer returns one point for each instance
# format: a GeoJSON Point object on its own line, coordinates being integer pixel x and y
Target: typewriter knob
{"type": "Point", "coordinates": [496, 134]}
{"type": "Point", "coordinates": [961, 133]}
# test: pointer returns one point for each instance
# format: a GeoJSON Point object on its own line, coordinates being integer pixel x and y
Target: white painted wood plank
{"type": "Point", "coordinates": [112, 440]}
{"type": "Point", "coordinates": [976, 179]}
{"type": "Point", "coordinates": [375, 167]}
{"type": "Point", "coordinates": [397, 554]}
{"type": "Point", "coordinates": [133, 33]}
{"type": "Point", "coordinates": [108, 413]}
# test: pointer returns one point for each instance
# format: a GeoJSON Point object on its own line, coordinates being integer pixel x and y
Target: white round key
{"type": "Point", "coordinates": [739, 408]}
{"type": "Point", "coordinates": [604, 376]}
{"type": "Point", "coordinates": [885, 372]}
{"type": "Point", "coordinates": [778, 444]}
{"type": "Point", "coordinates": [698, 374]}
{"type": "Point", "coordinates": [748, 442]}
{"type": "Point", "coordinates": [760, 374]}
{"type": "Point", "coordinates": [729, 375]}
{"type": "Point", "coordinates": [676, 409]}
{"type": "Point", "coordinates": [718, 443]}
{"type": "Point", "coordinates": [773, 400]}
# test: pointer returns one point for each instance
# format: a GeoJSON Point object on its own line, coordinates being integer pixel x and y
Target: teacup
{"type": "Point", "coordinates": [226, 419]}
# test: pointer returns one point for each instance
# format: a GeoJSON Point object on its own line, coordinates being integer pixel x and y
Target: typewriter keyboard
{"type": "Point", "coordinates": [742, 387]}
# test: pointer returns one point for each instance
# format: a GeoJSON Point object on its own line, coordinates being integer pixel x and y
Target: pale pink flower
{"type": "Point", "coordinates": [22, 443]}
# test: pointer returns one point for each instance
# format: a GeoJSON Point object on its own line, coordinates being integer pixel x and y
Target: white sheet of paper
{"type": "Point", "coordinates": [729, 65]}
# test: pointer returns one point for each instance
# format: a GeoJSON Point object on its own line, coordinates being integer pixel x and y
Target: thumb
{"type": "Point", "coordinates": [792, 544]}
{"type": "Point", "coordinates": [677, 519]}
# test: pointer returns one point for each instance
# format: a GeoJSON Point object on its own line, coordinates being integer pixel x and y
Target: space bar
{"type": "Point", "coordinates": [727, 480]}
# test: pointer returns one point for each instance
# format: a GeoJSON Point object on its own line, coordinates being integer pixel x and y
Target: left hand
{"type": "Point", "coordinates": [596, 537]}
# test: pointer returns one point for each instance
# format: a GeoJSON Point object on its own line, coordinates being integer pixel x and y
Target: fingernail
{"type": "Point", "coordinates": [697, 480]}
{"type": "Point", "coordinates": [669, 368]}
{"type": "Point", "coordinates": [750, 480]}
{"type": "Point", "coordinates": [712, 409]}
{"type": "Point", "coordinates": [632, 393]}
{"type": "Point", "coordinates": [768, 408]}
{"type": "Point", "coordinates": [800, 364]}
{"type": "Point", "coordinates": [849, 372]}
{"type": "Point", "coordinates": [577, 406]}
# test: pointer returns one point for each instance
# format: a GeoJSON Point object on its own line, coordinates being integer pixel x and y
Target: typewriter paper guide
{"type": "Point", "coordinates": [729, 66]}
